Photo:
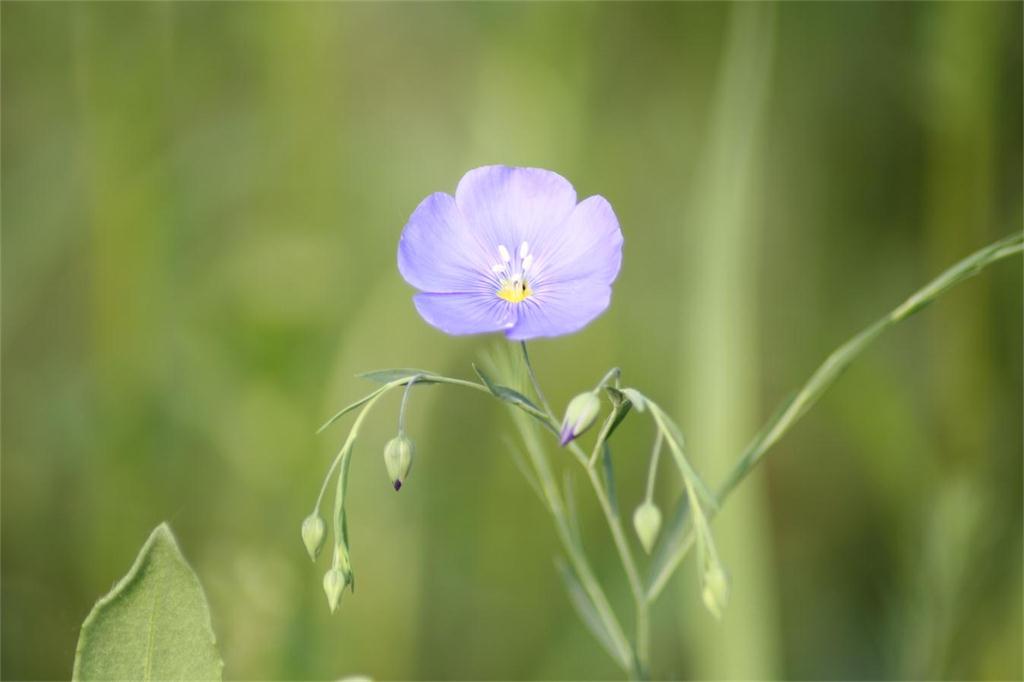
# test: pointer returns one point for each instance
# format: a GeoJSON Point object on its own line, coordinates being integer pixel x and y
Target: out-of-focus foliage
{"type": "Point", "coordinates": [201, 209]}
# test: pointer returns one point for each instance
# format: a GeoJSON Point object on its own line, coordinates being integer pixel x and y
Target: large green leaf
{"type": "Point", "coordinates": [154, 624]}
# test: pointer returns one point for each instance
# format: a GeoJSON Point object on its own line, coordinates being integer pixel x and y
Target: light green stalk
{"type": "Point", "coordinates": [718, 385]}
{"type": "Point", "coordinates": [677, 543]}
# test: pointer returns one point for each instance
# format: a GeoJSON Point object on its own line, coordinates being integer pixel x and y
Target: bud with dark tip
{"type": "Point", "coordinates": [334, 585]}
{"type": "Point", "coordinates": [398, 459]}
{"type": "Point", "coordinates": [579, 416]}
{"type": "Point", "coordinates": [313, 532]}
{"type": "Point", "coordinates": [647, 522]}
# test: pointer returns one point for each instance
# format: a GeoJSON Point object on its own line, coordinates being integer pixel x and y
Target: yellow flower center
{"type": "Point", "coordinates": [514, 290]}
{"type": "Point", "coordinates": [510, 273]}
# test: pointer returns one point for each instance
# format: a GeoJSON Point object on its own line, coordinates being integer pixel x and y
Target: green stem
{"type": "Point", "coordinates": [605, 429]}
{"type": "Point", "coordinates": [405, 402]}
{"type": "Point", "coordinates": [534, 382]}
{"type": "Point", "coordinates": [681, 539]}
{"type": "Point", "coordinates": [636, 586]}
{"type": "Point", "coordinates": [613, 373]}
{"type": "Point", "coordinates": [623, 654]}
{"type": "Point", "coordinates": [652, 470]}
{"type": "Point", "coordinates": [352, 434]}
{"type": "Point", "coordinates": [577, 557]}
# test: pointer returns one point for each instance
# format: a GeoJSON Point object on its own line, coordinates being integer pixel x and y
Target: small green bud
{"type": "Point", "coordinates": [334, 585]}
{"type": "Point", "coordinates": [716, 590]}
{"type": "Point", "coordinates": [313, 531]}
{"type": "Point", "coordinates": [398, 459]}
{"type": "Point", "coordinates": [579, 416]}
{"type": "Point", "coordinates": [647, 523]}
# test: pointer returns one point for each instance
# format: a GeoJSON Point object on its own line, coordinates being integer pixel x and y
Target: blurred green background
{"type": "Point", "coordinates": [202, 203]}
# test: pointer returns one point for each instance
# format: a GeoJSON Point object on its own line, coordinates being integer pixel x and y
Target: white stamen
{"type": "Point", "coordinates": [527, 262]}
{"type": "Point", "coordinates": [503, 252]}
{"type": "Point", "coordinates": [498, 268]}
{"type": "Point", "coordinates": [524, 249]}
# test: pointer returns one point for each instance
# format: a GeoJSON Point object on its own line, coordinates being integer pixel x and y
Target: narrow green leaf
{"type": "Point", "coordinates": [677, 446]}
{"type": "Point", "coordinates": [621, 411]}
{"type": "Point", "coordinates": [635, 397]}
{"type": "Point", "coordinates": [588, 614]}
{"type": "Point", "coordinates": [679, 541]}
{"type": "Point", "coordinates": [154, 624]}
{"type": "Point", "coordinates": [677, 535]}
{"type": "Point", "coordinates": [617, 396]}
{"type": "Point", "coordinates": [348, 408]}
{"type": "Point", "coordinates": [609, 477]}
{"type": "Point", "coordinates": [386, 376]}
{"type": "Point", "coordinates": [504, 392]}
{"type": "Point", "coordinates": [570, 507]}
{"type": "Point", "coordinates": [524, 469]}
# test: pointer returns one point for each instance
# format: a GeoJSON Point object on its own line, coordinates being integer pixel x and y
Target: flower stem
{"type": "Point", "coordinates": [405, 401]}
{"type": "Point", "coordinates": [641, 648]}
{"type": "Point", "coordinates": [652, 470]}
{"type": "Point", "coordinates": [536, 384]}
{"type": "Point", "coordinates": [681, 538]}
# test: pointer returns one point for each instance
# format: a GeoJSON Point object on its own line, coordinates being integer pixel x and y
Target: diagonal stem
{"type": "Point", "coordinates": [679, 541]}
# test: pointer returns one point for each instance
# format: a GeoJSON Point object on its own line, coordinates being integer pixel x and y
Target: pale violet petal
{"type": "Point", "coordinates": [587, 245]}
{"type": "Point", "coordinates": [438, 251]}
{"type": "Point", "coordinates": [561, 309]}
{"type": "Point", "coordinates": [509, 206]}
{"type": "Point", "coordinates": [472, 313]}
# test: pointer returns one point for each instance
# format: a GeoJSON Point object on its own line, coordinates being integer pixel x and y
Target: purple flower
{"type": "Point", "coordinates": [511, 251]}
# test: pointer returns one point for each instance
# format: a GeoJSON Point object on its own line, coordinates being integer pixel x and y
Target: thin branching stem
{"type": "Point", "coordinates": [405, 402]}
{"type": "Point", "coordinates": [536, 384]}
{"type": "Point", "coordinates": [623, 652]}
{"type": "Point", "coordinates": [652, 469]}
{"type": "Point", "coordinates": [678, 542]}
{"type": "Point", "coordinates": [692, 526]}
{"type": "Point", "coordinates": [641, 651]}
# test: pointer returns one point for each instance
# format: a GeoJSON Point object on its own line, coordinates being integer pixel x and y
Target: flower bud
{"type": "Point", "coordinates": [647, 523]}
{"type": "Point", "coordinates": [313, 531]}
{"type": "Point", "coordinates": [398, 459]}
{"type": "Point", "coordinates": [716, 589]}
{"type": "Point", "coordinates": [334, 585]}
{"type": "Point", "coordinates": [579, 416]}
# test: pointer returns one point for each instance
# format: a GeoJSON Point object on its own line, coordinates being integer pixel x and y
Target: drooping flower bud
{"type": "Point", "coordinates": [716, 589]}
{"type": "Point", "coordinates": [398, 459]}
{"type": "Point", "coordinates": [313, 532]}
{"type": "Point", "coordinates": [647, 523]}
{"type": "Point", "coordinates": [334, 585]}
{"type": "Point", "coordinates": [579, 416]}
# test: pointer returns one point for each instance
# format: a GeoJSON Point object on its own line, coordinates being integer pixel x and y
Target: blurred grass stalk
{"type": "Point", "coordinates": [962, 69]}
{"type": "Point", "coordinates": [678, 538]}
{"type": "Point", "coordinates": [719, 385]}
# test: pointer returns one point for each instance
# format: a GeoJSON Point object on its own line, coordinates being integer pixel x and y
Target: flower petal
{"type": "Point", "coordinates": [560, 309]}
{"type": "Point", "coordinates": [587, 245]}
{"type": "Point", "coordinates": [509, 206]}
{"type": "Point", "coordinates": [438, 251]}
{"type": "Point", "coordinates": [473, 313]}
